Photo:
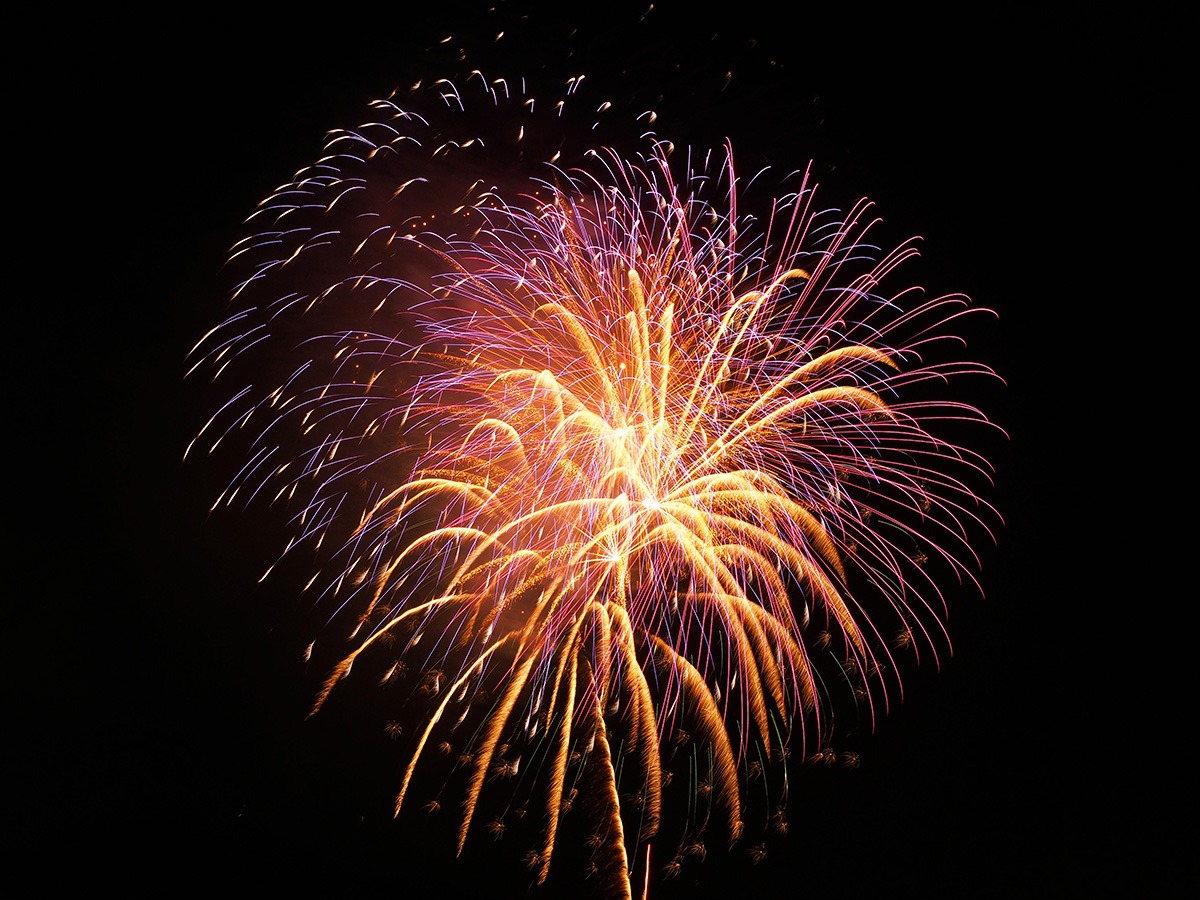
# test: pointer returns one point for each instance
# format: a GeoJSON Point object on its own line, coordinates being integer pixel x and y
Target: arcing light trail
{"type": "Point", "coordinates": [626, 485]}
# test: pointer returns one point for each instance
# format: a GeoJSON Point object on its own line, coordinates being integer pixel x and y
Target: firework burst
{"type": "Point", "coordinates": [624, 485]}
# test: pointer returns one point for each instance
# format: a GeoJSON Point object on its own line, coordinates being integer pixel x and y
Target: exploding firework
{"type": "Point", "coordinates": [618, 488]}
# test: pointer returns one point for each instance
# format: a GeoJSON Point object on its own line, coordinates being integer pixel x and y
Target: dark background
{"type": "Point", "coordinates": [163, 688]}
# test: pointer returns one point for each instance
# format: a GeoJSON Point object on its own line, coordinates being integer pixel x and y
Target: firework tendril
{"type": "Point", "coordinates": [627, 486]}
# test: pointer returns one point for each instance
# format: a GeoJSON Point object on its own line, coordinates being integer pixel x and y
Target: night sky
{"type": "Point", "coordinates": [167, 696]}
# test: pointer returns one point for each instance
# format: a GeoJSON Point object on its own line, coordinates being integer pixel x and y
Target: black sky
{"type": "Point", "coordinates": [167, 706]}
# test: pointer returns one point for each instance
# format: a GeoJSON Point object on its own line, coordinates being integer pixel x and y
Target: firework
{"type": "Point", "coordinates": [626, 487]}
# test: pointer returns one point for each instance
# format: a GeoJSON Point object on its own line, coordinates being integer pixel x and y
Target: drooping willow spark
{"type": "Point", "coordinates": [625, 484]}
